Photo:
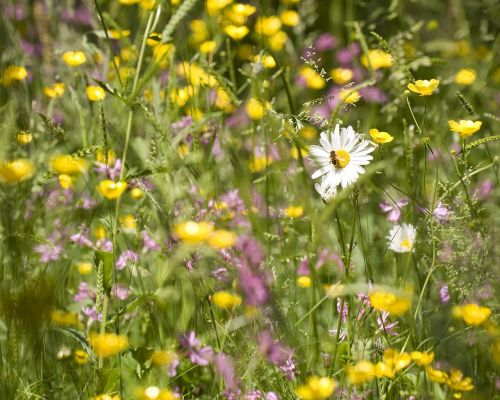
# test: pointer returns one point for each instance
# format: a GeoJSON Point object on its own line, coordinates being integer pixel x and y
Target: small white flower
{"type": "Point", "coordinates": [341, 156]}
{"type": "Point", "coordinates": [325, 190]}
{"type": "Point", "coordinates": [402, 238]}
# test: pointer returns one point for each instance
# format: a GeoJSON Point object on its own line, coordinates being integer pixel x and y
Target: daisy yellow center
{"type": "Point", "coordinates": [406, 244]}
{"type": "Point", "coordinates": [340, 158]}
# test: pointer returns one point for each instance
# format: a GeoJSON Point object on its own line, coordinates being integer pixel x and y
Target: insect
{"type": "Point", "coordinates": [334, 159]}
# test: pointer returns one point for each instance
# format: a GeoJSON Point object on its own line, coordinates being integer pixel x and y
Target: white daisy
{"type": "Point", "coordinates": [325, 190]}
{"type": "Point", "coordinates": [341, 156]}
{"type": "Point", "coordinates": [402, 238]}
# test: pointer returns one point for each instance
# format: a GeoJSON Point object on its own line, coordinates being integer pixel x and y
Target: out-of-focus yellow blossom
{"type": "Point", "coordinates": [153, 39]}
{"type": "Point", "coordinates": [161, 53]}
{"type": "Point", "coordinates": [458, 383]}
{"type": "Point", "coordinates": [84, 267]}
{"type": "Point", "coordinates": [54, 91]}
{"type": "Point", "coordinates": [117, 34]}
{"type": "Point", "coordinates": [464, 128]}
{"type": "Point", "coordinates": [294, 153]}
{"type": "Point", "coordinates": [435, 375]}
{"type": "Point", "coordinates": [308, 132]}
{"type": "Point", "coordinates": [182, 150]}
{"type": "Point", "coordinates": [396, 359]}
{"type": "Point", "coordinates": [222, 239]}
{"type": "Point", "coordinates": [482, 52]}
{"type": "Point", "coordinates": [432, 25]}
{"type": "Point", "coordinates": [208, 47]}
{"type": "Point", "coordinates": [24, 137]}
{"type": "Point", "coordinates": [266, 60]}
{"type": "Point", "coordinates": [111, 189]}
{"type": "Point", "coordinates": [424, 87]}
{"type": "Point", "coordinates": [312, 78]}
{"type": "Point", "coordinates": [128, 2]}
{"type": "Point", "coordinates": [260, 163]}
{"type": "Point", "coordinates": [294, 211]}
{"type": "Point", "coordinates": [277, 41]}
{"type": "Point", "coordinates": [136, 193]}
{"type": "Point", "coordinates": [106, 396]}
{"type": "Point", "coordinates": [149, 4]}
{"type": "Point", "coordinates": [316, 388]}
{"type": "Point", "coordinates": [422, 358]}
{"type": "Point", "coordinates": [341, 76]}
{"type": "Point", "coordinates": [389, 302]}
{"type": "Point", "coordinates": [16, 171]}
{"type": "Point", "coordinates": [465, 76]}
{"type": "Point", "coordinates": [349, 96]}
{"type": "Point", "coordinates": [65, 181]}
{"type": "Point", "coordinates": [163, 357]}
{"type": "Point", "coordinates": [108, 344]}
{"type": "Point", "coordinates": [290, 18]}
{"type": "Point", "coordinates": [255, 109]}
{"type": "Point", "coordinates": [267, 26]}
{"type": "Point", "coordinates": [181, 95]}
{"type": "Point", "coordinates": [81, 357]}
{"type": "Point", "coordinates": [472, 314]}
{"type": "Point", "coordinates": [380, 137]}
{"type": "Point", "coordinates": [236, 32]}
{"type": "Point", "coordinates": [74, 58]}
{"type": "Point", "coordinates": [377, 59]}
{"type": "Point", "coordinates": [214, 6]}
{"type": "Point", "coordinates": [462, 48]}
{"type": "Point", "coordinates": [239, 13]}
{"type": "Point", "coordinates": [384, 370]}
{"type": "Point", "coordinates": [100, 232]}
{"type": "Point", "coordinates": [199, 31]}
{"type": "Point", "coordinates": [361, 372]}
{"type": "Point", "coordinates": [129, 223]}
{"type": "Point", "coordinates": [304, 281]}
{"type": "Point", "coordinates": [13, 73]}
{"type": "Point", "coordinates": [64, 318]}
{"type": "Point", "coordinates": [222, 100]}
{"type": "Point", "coordinates": [226, 300]}
{"type": "Point", "coordinates": [194, 232]}
{"type": "Point", "coordinates": [100, 157]}
{"type": "Point", "coordinates": [196, 75]}
{"type": "Point", "coordinates": [155, 393]}
{"type": "Point", "coordinates": [67, 164]}
{"type": "Point", "coordinates": [95, 93]}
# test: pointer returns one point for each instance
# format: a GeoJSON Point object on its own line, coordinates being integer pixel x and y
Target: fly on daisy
{"type": "Point", "coordinates": [341, 156]}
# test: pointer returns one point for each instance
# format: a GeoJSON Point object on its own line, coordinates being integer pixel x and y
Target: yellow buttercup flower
{"type": "Point", "coordinates": [464, 128]}
{"type": "Point", "coordinates": [194, 232]}
{"type": "Point", "coordinates": [341, 76]}
{"type": "Point", "coordinates": [457, 382]}
{"type": "Point", "coordinates": [389, 302]}
{"type": "Point", "coordinates": [129, 223]}
{"type": "Point", "coordinates": [435, 375]}
{"type": "Point", "coordinates": [84, 267]}
{"type": "Point", "coordinates": [266, 60]}
{"type": "Point", "coordinates": [304, 281]}
{"type": "Point", "coordinates": [290, 18]}
{"type": "Point", "coordinates": [236, 32]}
{"type": "Point", "coordinates": [472, 314]}
{"type": "Point", "coordinates": [396, 359]}
{"type": "Point", "coordinates": [95, 93]}
{"type": "Point", "coordinates": [316, 388]}
{"type": "Point", "coordinates": [81, 357]}
{"type": "Point", "coordinates": [106, 397]}
{"type": "Point", "coordinates": [64, 318]}
{"type": "Point", "coordinates": [111, 189]}
{"type": "Point", "coordinates": [380, 137]}
{"type": "Point", "coordinates": [226, 300]}
{"type": "Point", "coordinates": [149, 4]}
{"type": "Point", "coordinates": [67, 164]}
{"type": "Point", "coordinates": [128, 2]}
{"type": "Point", "coordinates": [13, 73]}
{"type": "Point", "coordinates": [108, 344]}
{"type": "Point", "coordinates": [465, 77]}
{"type": "Point", "coordinates": [313, 79]}
{"type": "Point", "coordinates": [222, 239]}
{"type": "Point", "coordinates": [163, 357]}
{"type": "Point", "coordinates": [136, 193]}
{"type": "Point", "coordinates": [155, 393]}
{"type": "Point", "coordinates": [117, 34]}
{"type": "Point", "coordinates": [208, 47]}
{"type": "Point", "coordinates": [348, 96]}
{"type": "Point", "coordinates": [267, 26]}
{"type": "Point", "coordinates": [294, 211]}
{"type": "Point", "coordinates": [74, 58]}
{"type": "Point", "coordinates": [384, 370]}
{"type": "Point", "coordinates": [277, 41]}
{"type": "Point", "coordinates": [153, 39]}
{"type": "Point", "coordinates": [65, 181]}
{"type": "Point", "coordinates": [57, 90]}
{"type": "Point", "coordinates": [24, 137]}
{"type": "Point", "coordinates": [377, 59]}
{"type": "Point", "coordinates": [214, 6]}
{"type": "Point", "coordinates": [243, 9]}
{"type": "Point", "coordinates": [308, 132]}
{"type": "Point", "coordinates": [422, 358]}
{"type": "Point", "coordinates": [162, 52]}
{"type": "Point", "coordinates": [255, 109]}
{"type": "Point", "coordinates": [361, 372]}
{"type": "Point", "coordinates": [424, 87]}
{"type": "Point", "coordinates": [16, 171]}
{"type": "Point", "coordinates": [260, 163]}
